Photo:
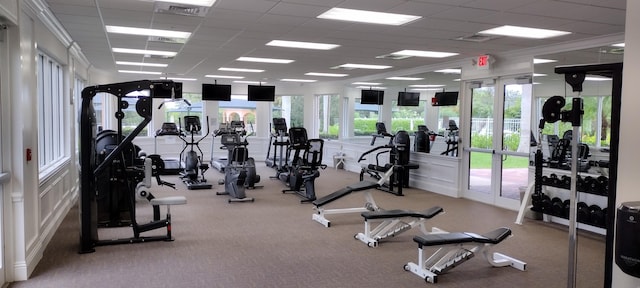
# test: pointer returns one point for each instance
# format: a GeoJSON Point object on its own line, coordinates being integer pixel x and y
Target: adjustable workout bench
{"type": "Point", "coordinates": [456, 249]}
{"type": "Point", "coordinates": [370, 204]}
{"type": "Point", "coordinates": [392, 223]}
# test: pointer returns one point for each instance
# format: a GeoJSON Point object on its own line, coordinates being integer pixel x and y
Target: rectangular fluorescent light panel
{"type": "Point", "coordinates": [302, 45]}
{"type": "Point", "coordinates": [179, 79]}
{"type": "Point", "coordinates": [449, 71]}
{"type": "Point", "coordinates": [141, 64]}
{"type": "Point", "coordinates": [249, 82]}
{"type": "Point", "coordinates": [326, 74]}
{"type": "Point", "coordinates": [366, 83]}
{"type": "Point", "coordinates": [139, 72]}
{"type": "Point", "coordinates": [224, 76]}
{"type": "Point", "coordinates": [367, 16]}
{"type": "Point", "coordinates": [420, 53]}
{"type": "Point", "coordinates": [594, 78]}
{"type": "Point", "coordinates": [542, 61]}
{"type": "Point", "coordinates": [524, 32]}
{"type": "Point", "coordinates": [298, 80]}
{"type": "Point", "coordinates": [618, 45]}
{"type": "Point", "coordinates": [147, 32]}
{"type": "Point", "coordinates": [426, 89]}
{"type": "Point", "coordinates": [203, 3]}
{"type": "Point", "coordinates": [264, 60]}
{"type": "Point", "coordinates": [405, 78]}
{"type": "Point", "coordinates": [371, 87]}
{"type": "Point", "coordinates": [426, 85]}
{"type": "Point", "coordinates": [240, 70]}
{"type": "Point", "coordinates": [364, 66]}
{"type": "Point", "coordinates": [144, 52]}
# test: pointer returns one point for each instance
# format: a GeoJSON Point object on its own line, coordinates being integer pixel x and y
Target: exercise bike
{"type": "Point", "coordinates": [193, 173]}
{"type": "Point", "coordinates": [236, 172]}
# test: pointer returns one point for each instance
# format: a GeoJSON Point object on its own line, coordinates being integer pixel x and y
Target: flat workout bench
{"type": "Point", "coordinates": [458, 248]}
{"type": "Point", "coordinates": [370, 204]}
{"type": "Point", "coordinates": [392, 223]}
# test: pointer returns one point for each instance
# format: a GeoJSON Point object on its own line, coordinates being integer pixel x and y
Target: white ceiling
{"type": "Point", "coordinates": [235, 28]}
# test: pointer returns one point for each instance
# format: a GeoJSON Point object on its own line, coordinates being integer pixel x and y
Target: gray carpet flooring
{"type": "Point", "coordinates": [273, 242]}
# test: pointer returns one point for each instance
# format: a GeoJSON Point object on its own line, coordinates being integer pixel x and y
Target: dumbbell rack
{"type": "Point", "coordinates": [593, 191]}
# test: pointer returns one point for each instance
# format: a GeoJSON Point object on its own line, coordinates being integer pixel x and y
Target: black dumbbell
{"type": "Point", "coordinates": [546, 204]}
{"type": "Point", "coordinates": [604, 185]}
{"type": "Point", "coordinates": [545, 180]}
{"type": "Point", "coordinates": [567, 208]}
{"type": "Point", "coordinates": [596, 216]}
{"type": "Point", "coordinates": [555, 181]}
{"type": "Point", "coordinates": [583, 212]}
{"type": "Point", "coordinates": [557, 207]}
{"type": "Point", "coordinates": [592, 185]}
{"type": "Point", "coordinates": [566, 181]}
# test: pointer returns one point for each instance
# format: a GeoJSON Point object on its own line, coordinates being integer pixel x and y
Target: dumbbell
{"type": "Point", "coordinates": [565, 182]}
{"type": "Point", "coordinates": [557, 207]}
{"type": "Point", "coordinates": [591, 185]}
{"type": "Point", "coordinates": [604, 185]}
{"type": "Point", "coordinates": [567, 208]}
{"type": "Point", "coordinates": [546, 204]}
{"type": "Point", "coordinates": [545, 180]}
{"type": "Point", "coordinates": [583, 212]}
{"type": "Point", "coordinates": [580, 186]}
{"type": "Point", "coordinates": [596, 216]}
{"type": "Point", "coordinates": [555, 181]}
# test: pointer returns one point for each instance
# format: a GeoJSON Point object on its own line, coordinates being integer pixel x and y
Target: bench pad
{"type": "Point", "coordinates": [493, 237]}
{"type": "Point", "coordinates": [360, 186]}
{"type": "Point", "coordinates": [383, 214]}
{"type": "Point", "coordinates": [173, 200]}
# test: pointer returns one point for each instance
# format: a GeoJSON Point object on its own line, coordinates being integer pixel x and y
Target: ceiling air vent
{"type": "Point", "coordinates": [475, 38]}
{"type": "Point", "coordinates": [187, 10]}
{"type": "Point", "coordinates": [158, 57]}
{"type": "Point", "coordinates": [170, 40]}
{"type": "Point", "coordinates": [393, 57]}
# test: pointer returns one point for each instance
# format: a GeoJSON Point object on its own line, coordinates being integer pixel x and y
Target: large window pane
{"type": "Point", "coordinates": [366, 116]}
{"type": "Point", "coordinates": [408, 118]}
{"type": "Point", "coordinates": [290, 108]}
{"type": "Point", "coordinates": [51, 132]}
{"type": "Point", "coordinates": [177, 109]}
{"type": "Point", "coordinates": [328, 116]}
{"type": "Point", "coordinates": [238, 109]}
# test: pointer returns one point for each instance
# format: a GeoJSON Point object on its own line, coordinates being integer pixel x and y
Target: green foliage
{"type": "Point", "coordinates": [364, 126]}
{"type": "Point", "coordinates": [405, 124]}
{"type": "Point", "coordinates": [511, 141]}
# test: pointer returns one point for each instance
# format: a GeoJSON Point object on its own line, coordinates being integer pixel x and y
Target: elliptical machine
{"type": "Point", "coordinates": [193, 173]}
{"type": "Point", "coordinates": [301, 174]}
{"type": "Point", "coordinates": [236, 172]}
{"type": "Point", "coordinates": [278, 140]}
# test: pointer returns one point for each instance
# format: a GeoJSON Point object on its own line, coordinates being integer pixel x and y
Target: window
{"type": "Point", "coordinates": [328, 116]}
{"type": "Point", "coordinates": [408, 118]}
{"type": "Point", "coordinates": [290, 108]}
{"type": "Point", "coordinates": [238, 109]}
{"type": "Point", "coordinates": [51, 132]}
{"type": "Point", "coordinates": [365, 118]}
{"type": "Point", "coordinates": [78, 86]}
{"type": "Point", "coordinates": [131, 118]}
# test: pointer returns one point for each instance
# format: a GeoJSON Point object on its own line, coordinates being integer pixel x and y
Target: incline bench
{"type": "Point", "coordinates": [456, 249]}
{"type": "Point", "coordinates": [392, 223]}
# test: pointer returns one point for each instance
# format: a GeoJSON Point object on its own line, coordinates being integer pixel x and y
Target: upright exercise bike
{"type": "Point", "coordinates": [193, 172]}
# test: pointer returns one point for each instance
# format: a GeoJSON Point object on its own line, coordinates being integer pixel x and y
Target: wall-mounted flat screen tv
{"type": "Point", "coordinates": [261, 93]}
{"type": "Point", "coordinates": [374, 97]}
{"type": "Point", "coordinates": [408, 98]}
{"type": "Point", "coordinates": [216, 92]}
{"type": "Point", "coordinates": [445, 99]}
{"type": "Point", "coordinates": [162, 89]}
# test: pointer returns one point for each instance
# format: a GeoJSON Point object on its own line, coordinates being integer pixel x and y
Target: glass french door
{"type": "Point", "coordinates": [496, 154]}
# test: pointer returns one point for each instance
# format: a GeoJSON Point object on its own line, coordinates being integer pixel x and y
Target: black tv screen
{"type": "Point", "coordinates": [216, 92]}
{"type": "Point", "coordinates": [445, 99]}
{"type": "Point", "coordinates": [408, 98]}
{"type": "Point", "coordinates": [261, 93]}
{"type": "Point", "coordinates": [375, 97]}
{"type": "Point", "coordinates": [162, 89]}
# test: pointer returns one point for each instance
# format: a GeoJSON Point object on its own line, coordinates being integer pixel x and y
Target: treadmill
{"type": "Point", "coordinates": [279, 140]}
{"type": "Point", "coordinates": [172, 166]}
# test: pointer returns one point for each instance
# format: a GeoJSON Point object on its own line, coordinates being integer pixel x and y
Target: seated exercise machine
{"type": "Point", "coordinates": [370, 204]}
{"type": "Point", "coordinates": [236, 172]}
{"type": "Point", "coordinates": [454, 249]}
{"type": "Point", "coordinates": [193, 173]}
{"type": "Point", "coordinates": [390, 223]}
{"type": "Point", "coordinates": [278, 140]}
{"type": "Point", "coordinates": [303, 171]}
{"type": "Point", "coordinates": [111, 163]}
{"type": "Point", "coordinates": [398, 149]}
{"type": "Point", "coordinates": [233, 127]}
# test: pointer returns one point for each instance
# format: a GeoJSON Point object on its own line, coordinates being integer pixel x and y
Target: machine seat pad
{"type": "Point", "coordinates": [173, 200]}
{"type": "Point", "coordinates": [333, 196]}
{"type": "Point", "coordinates": [384, 214]}
{"type": "Point", "coordinates": [494, 237]}
{"type": "Point", "coordinates": [363, 185]}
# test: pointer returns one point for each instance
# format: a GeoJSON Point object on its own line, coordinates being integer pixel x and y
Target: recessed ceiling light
{"type": "Point", "coordinates": [224, 76]}
{"type": "Point", "coordinates": [449, 71]}
{"type": "Point", "coordinates": [524, 32]}
{"type": "Point", "coordinates": [141, 64]}
{"type": "Point", "coordinates": [366, 83]}
{"type": "Point", "coordinates": [179, 79]}
{"type": "Point", "coordinates": [139, 72]}
{"type": "Point", "coordinates": [302, 45]}
{"type": "Point", "coordinates": [539, 74]}
{"type": "Point", "coordinates": [364, 66]}
{"type": "Point", "coordinates": [405, 78]}
{"type": "Point", "coordinates": [419, 53]}
{"type": "Point", "coordinates": [542, 61]}
{"type": "Point", "coordinates": [326, 74]}
{"type": "Point", "coordinates": [297, 80]}
{"type": "Point", "coordinates": [371, 87]}
{"type": "Point", "coordinates": [204, 3]}
{"type": "Point", "coordinates": [265, 60]}
{"type": "Point", "coordinates": [426, 89]}
{"type": "Point", "coordinates": [618, 45]}
{"type": "Point", "coordinates": [147, 32]}
{"type": "Point", "coordinates": [240, 70]}
{"type": "Point", "coordinates": [144, 52]}
{"type": "Point", "coordinates": [249, 82]}
{"type": "Point", "coordinates": [593, 78]}
{"type": "Point", "coordinates": [367, 16]}
{"type": "Point", "coordinates": [426, 85]}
